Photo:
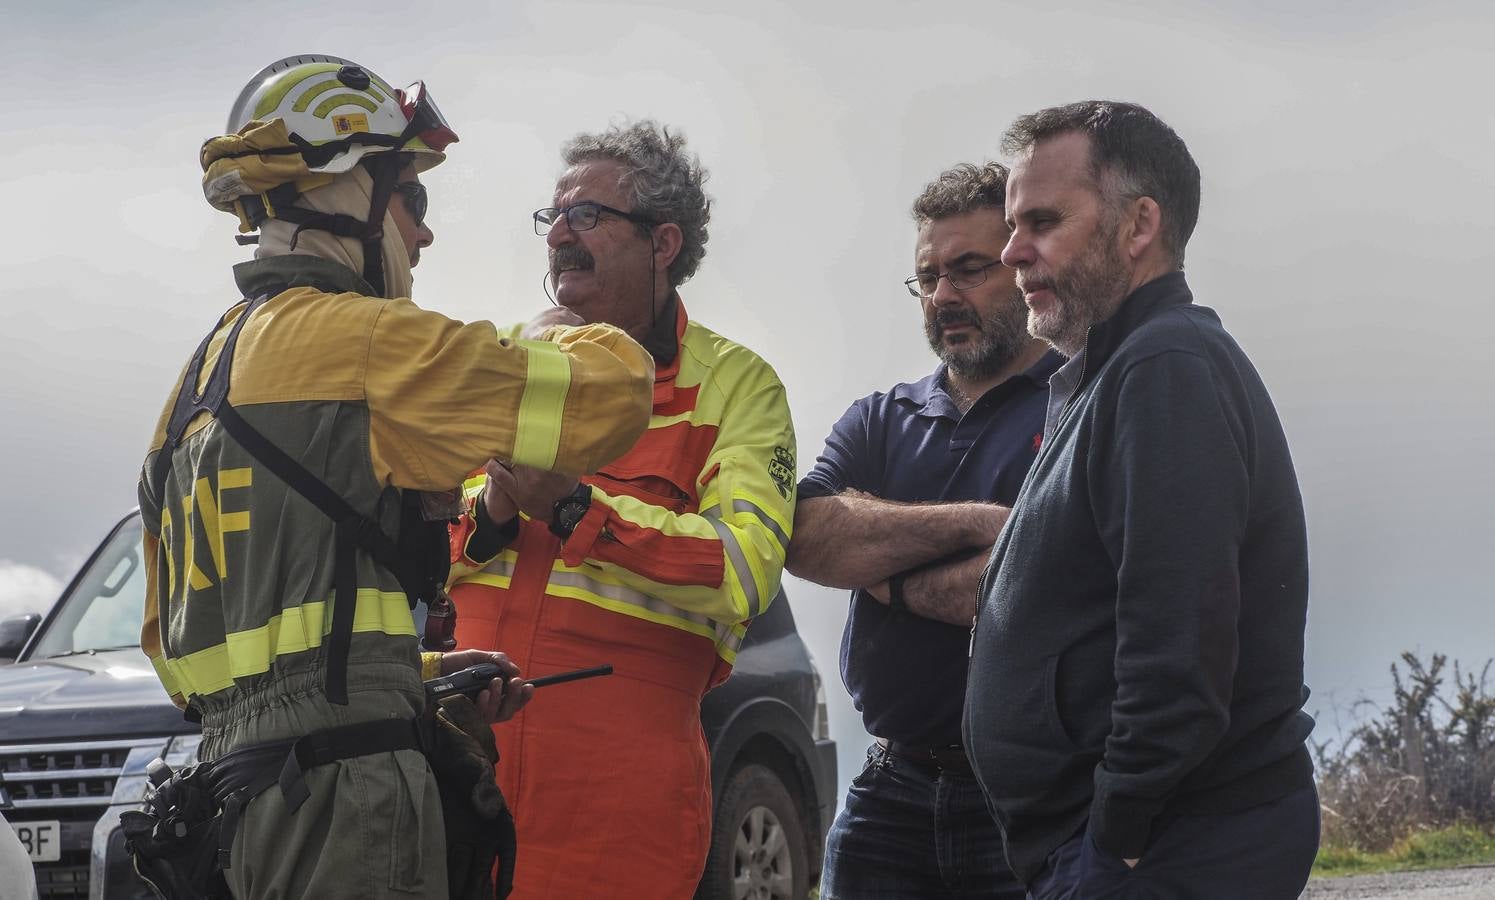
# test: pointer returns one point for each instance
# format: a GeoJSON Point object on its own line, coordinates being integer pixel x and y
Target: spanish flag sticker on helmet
{"type": "Point", "coordinates": [350, 122]}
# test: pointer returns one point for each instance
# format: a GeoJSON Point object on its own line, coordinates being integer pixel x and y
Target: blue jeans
{"type": "Point", "coordinates": [909, 832]}
{"type": "Point", "coordinates": [1261, 853]}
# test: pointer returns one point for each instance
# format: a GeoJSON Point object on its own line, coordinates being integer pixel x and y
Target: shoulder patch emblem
{"type": "Point", "coordinates": [781, 470]}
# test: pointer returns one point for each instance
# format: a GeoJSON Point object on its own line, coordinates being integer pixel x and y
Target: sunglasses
{"type": "Point", "coordinates": [416, 201]}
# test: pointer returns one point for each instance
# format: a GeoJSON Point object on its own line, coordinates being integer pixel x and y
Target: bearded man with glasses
{"type": "Point", "coordinates": [655, 563]}
{"type": "Point", "coordinates": [903, 507]}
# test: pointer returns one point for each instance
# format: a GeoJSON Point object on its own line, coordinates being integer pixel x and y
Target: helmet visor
{"type": "Point", "coordinates": [425, 118]}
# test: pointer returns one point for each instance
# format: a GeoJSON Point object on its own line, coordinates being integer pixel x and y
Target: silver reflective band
{"type": "Point", "coordinates": [748, 506]}
{"type": "Point", "coordinates": [739, 565]}
{"type": "Point", "coordinates": [726, 635]}
{"type": "Point", "coordinates": [630, 596]}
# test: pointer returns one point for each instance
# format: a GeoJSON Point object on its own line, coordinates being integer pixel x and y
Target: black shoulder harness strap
{"type": "Point", "coordinates": [353, 530]}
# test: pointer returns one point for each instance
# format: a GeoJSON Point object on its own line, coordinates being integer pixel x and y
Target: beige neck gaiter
{"type": "Point", "coordinates": [349, 194]}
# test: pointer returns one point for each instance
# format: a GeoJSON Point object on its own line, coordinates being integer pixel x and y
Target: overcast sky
{"type": "Point", "coordinates": [1345, 235]}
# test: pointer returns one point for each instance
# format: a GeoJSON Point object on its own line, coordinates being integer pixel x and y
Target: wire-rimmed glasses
{"type": "Point", "coordinates": [924, 284]}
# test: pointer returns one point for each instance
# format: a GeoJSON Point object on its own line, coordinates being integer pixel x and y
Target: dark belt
{"type": "Point", "coordinates": [242, 775]}
{"type": "Point", "coordinates": [951, 759]}
{"type": "Point", "coordinates": [253, 769]}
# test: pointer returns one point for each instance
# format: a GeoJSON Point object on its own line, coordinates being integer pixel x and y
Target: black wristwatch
{"type": "Point", "coordinates": [567, 512]}
{"type": "Point", "coordinates": [896, 600]}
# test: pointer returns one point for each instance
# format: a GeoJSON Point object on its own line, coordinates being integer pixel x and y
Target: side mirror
{"type": "Point", "coordinates": [15, 632]}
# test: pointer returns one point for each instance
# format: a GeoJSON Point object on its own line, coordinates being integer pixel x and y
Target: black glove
{"type": "Point", "coordinates": [479, 826]}
{"type": "Point", "coordinates": [174, 840]}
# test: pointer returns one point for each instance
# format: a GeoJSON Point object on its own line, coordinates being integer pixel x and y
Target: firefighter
{"type": "Point", "coordinates": [293, 492]}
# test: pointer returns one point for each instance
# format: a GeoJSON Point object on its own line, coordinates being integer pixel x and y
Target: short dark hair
{"type": "Point", "coordinates": [961, 189]}
{"type": "Point", "coordinates": [1133, 154]}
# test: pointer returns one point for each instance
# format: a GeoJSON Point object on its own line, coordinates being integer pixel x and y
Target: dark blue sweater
{"type": "Point", "coordinates": [1139, 645]}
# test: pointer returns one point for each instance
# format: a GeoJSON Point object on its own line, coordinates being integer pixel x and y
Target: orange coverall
{"type": "Point", "coordinates": [609, 779]}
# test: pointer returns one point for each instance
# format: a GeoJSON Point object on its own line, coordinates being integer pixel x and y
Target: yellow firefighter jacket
{"type": "Point", "coordinates": [371, 396]}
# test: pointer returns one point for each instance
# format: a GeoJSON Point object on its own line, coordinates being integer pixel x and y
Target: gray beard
{"type": "Point", "coordinates": [1083, 292]}
{"type": "Point", "coordinates": [1002, 336]}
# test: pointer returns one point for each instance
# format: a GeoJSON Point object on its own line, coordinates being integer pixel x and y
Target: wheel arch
{"type": "Point", "coordinates": [769, 732]}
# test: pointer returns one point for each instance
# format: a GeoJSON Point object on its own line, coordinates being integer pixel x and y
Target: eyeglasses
{"type": "Point", "coordinates": [416, 201]}
{"type": "Point", "coordinates": [582, 216]}
{"type": "Point", "coordinates": [961, 278]}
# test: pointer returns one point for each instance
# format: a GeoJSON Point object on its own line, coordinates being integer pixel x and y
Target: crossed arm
{"type": "Point", "coordinates": [856, 540]}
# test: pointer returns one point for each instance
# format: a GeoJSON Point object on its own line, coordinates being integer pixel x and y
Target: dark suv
{"type": "Point", "coordinates": [81, 714]}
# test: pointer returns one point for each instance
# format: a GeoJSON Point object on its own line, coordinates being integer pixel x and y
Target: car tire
{"type": "Point", "coordinates": [758, 847]}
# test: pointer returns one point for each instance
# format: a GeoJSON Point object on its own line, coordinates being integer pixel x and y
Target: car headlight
{"type": "Point", "coordinates": [181, 751]}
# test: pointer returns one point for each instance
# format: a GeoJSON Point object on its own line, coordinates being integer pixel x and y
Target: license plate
{"type": "Point", "coordinates": [42, 840]}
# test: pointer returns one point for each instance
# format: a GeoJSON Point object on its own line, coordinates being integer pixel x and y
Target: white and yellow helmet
{"type": "Point", "coordinates": [304, 120]}
{"type": "Point", "coordinates": [328, 102]}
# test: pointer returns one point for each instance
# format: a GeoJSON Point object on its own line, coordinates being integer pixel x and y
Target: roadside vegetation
{"type": "Point", "coordinates": [1411, 786]}
{"type": "Point", "coordinates": [1443, 848]}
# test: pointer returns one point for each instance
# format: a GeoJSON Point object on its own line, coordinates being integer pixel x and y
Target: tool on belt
{"type": "Point", "coordinates": [182, 840]}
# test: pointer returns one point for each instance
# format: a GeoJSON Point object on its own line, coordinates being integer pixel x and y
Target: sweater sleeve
{"type": "Point", "coordinates": [1170, 488]}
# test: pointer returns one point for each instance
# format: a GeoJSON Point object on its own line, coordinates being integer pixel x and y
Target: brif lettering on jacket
{"type": "Point", "coordinates": [205, 514]}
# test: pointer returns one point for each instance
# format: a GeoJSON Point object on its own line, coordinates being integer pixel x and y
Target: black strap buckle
{"type": "Point", "coordinates": [346, 742]}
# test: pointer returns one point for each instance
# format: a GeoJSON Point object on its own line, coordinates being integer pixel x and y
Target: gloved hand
{"type": "Point", "coordinates": [479, 827]}
{"type": "Point", "coordinates": [174, 838]}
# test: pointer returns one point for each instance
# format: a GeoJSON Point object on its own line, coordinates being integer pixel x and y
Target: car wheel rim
{"type": "Point", "coordinates": [761, 865]}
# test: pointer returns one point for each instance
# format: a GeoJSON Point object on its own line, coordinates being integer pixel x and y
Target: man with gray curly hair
{"type": "Point", "coordinates": [655, 563]}
{"type": "Point", "coordinates": [902, 508]}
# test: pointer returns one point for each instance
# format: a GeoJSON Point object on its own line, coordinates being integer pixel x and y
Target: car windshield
{"type": "Point", "coordinates": [104, 609]}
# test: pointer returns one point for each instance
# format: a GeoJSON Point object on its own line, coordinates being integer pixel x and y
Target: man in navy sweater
{"type": "Point", "coordinates": [1136, 680]}
{"type": "Point", "coordinates": [903, 507]}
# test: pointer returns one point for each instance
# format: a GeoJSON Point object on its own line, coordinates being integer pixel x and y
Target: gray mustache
{"type": "Point", "coordinates": [570, 257]}
{"type": "Point", "coordinates": [1031, 283]}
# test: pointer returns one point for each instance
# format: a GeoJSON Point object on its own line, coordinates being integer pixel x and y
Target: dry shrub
{"type": "Point", "coordinates": [1425, 761]}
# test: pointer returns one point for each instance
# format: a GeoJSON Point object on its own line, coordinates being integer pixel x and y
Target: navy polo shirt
{"type": "Point", "coordinates": [907, 674]}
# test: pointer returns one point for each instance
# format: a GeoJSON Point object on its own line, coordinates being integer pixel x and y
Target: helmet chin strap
{"type": "Point", "coordinates": [385, 169]}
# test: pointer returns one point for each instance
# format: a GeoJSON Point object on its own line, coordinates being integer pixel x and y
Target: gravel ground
{"type": "Point", "coordinates": [1438, 884]}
